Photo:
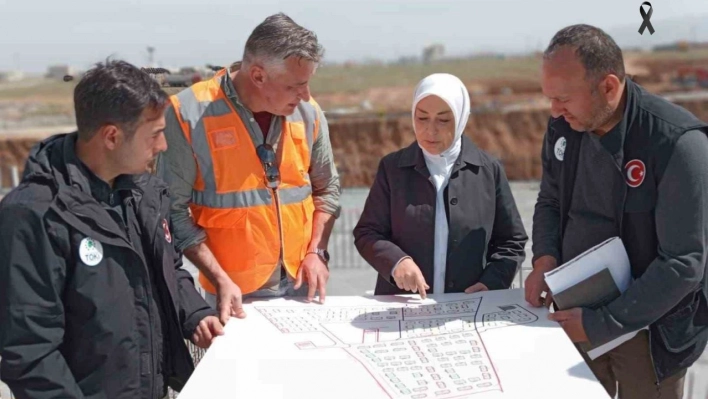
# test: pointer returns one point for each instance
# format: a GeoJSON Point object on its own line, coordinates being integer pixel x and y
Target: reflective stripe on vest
{"type": "Point", "coordinates": [243, 219]}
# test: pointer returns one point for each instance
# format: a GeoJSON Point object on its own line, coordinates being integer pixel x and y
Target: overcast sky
{"type": "Point", "coordinates": [36, 33]}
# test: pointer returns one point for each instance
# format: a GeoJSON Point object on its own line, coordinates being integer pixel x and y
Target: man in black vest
{"type": "Point", "coordinates": [619, 161]}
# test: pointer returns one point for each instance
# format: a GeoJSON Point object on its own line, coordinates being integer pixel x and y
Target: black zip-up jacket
{"type": "Point", "coordinates": [663, 225]}
{"type": "Point", "coordinates": [72, 287]}
{"type": "Point", "coordinates": [486, 235]}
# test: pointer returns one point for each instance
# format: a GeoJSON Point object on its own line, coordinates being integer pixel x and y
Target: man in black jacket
{"type": "Point", "coordinates": [619, 161]}
{"type": "Point", "coordinates": [93, 303]}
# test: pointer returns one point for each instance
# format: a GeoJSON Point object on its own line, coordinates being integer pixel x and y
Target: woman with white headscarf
{"type": "Point", "coordinates": [440, 216]}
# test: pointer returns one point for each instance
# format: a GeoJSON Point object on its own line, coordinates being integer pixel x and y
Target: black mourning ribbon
{"type": "Point", "coordinates": [646, 24]}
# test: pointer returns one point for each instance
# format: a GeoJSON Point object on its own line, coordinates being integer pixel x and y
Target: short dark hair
{"type": "Point", "coordinates": [596, 50]}
{"type": "Point", "coordinates": [115, 92]}
{"type": "Point", "coordinates": [279, 37]}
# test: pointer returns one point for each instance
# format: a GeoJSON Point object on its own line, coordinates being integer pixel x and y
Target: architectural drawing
{"type": "Point", "coordinates": [488, 345]}
{"type": "Point", "coordinates": [412, 351]}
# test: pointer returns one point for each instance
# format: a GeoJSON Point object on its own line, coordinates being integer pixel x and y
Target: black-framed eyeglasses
{"type": "Point", "coordinates": [266, 154]}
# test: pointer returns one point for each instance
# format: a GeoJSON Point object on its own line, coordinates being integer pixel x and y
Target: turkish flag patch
{"type": "Point", "coordinates": [166, 228]}
{"type": "Point", "coordinates": [635, 171]}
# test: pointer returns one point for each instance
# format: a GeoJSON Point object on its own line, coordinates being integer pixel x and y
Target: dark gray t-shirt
{"type": "Point", "coordinates": [591, 217]}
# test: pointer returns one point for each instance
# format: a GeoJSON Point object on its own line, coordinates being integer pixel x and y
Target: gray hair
{"type": "Point", "coordinates": [595, 49]}
{"type": "Point", "coordinates": [279, 37]}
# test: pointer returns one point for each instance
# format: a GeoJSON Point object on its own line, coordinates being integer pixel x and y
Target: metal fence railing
{"type": "Point", "coordinates": [343, 253]}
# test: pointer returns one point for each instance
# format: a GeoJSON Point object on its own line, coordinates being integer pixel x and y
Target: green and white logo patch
{"type": "Point", "coordinates": [90, 251]}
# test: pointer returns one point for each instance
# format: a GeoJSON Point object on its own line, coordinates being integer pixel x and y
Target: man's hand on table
{"type": "Point", "coordinates": [209, 328]}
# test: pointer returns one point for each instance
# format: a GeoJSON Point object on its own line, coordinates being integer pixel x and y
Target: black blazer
{"type": "Point", "coordinates": [486, 235]}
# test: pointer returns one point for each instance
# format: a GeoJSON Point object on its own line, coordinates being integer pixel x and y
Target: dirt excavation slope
{"type": "Point", "coordinates": [360, 142]}
{"type": "Point", "coordinates": [513, 137]}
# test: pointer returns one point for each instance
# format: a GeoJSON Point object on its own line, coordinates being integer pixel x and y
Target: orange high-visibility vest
{"type": "Point", "coordinates": [247, 223]}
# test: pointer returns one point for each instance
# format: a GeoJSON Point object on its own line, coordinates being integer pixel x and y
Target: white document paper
{"type": "Point", "coordinates": [610, 255]}
{"type": "Point", "coordinates": [486, 345]}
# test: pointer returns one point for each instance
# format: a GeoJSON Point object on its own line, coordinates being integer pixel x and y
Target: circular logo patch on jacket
{"type": "Point", "coordinates": [90, 251]}
{"type": "Point", "coordinates": [635, 171]}
{"type": "Point", "coordinates": [559, 148]}
{"type": "Point", "coordinates": [166, 228]}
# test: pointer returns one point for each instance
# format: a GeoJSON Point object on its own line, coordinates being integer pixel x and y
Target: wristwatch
{"type": "Point", "coordinates": [322, 253]}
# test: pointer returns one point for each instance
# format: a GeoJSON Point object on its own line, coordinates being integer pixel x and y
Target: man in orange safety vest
{"type": "Point", "coordinates": [254, 188]}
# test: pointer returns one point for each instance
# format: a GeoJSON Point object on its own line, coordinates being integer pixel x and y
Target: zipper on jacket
{"type": "Point", "coordinates": [160, 256]}
{"type": "Point", "coordinates": [167, 359]}
{"type": "Point", "coordinates": [621, 226]}
{"type": "Point", "coordinates": [657, 383]}
{"type": "Point", "coordinates": [624, 197]}
{"type": "Point", "coordinates": [153, 385]}
{"type": "Point", "coordinates": [148, 295]}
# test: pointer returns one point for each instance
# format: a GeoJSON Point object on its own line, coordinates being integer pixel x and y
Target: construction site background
{"type": "Point", "coordinates": [368, 110]}
{"type": "Point", "coordinates": [367, 106]}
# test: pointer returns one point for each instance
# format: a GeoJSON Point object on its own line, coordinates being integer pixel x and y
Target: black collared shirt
{"type": "Point", "coordinates": [116, 200]}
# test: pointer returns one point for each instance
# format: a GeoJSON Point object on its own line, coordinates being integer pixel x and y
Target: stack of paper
{"type": "Point", "coordinates": [591, 280]}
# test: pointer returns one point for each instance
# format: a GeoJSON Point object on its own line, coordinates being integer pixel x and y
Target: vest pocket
{"type": "Point", "coordinates": [223, 139]}
{"type": "Point", "coordinates": [680, 329]}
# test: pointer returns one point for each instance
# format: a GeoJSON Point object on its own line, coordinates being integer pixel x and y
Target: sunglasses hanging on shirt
{"type": "Point", "coordinates": [266, 154]}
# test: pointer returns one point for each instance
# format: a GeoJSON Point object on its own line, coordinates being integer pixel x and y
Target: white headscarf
{"type": "Point", "coordinates": [454, 93]}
